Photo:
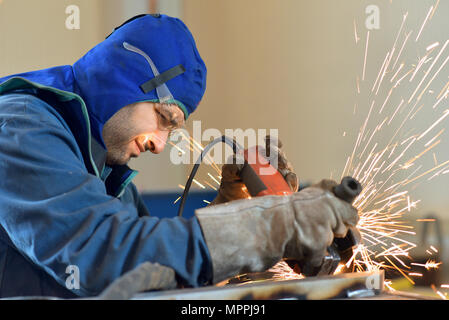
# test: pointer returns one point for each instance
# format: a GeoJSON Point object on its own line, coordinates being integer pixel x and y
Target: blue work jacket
{"type": "Point", "coordinates": [56, 211]}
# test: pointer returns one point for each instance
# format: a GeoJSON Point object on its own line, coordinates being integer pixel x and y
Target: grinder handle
{"type": "Point", "coordinates": [341, 248]}
{"type": "Point", "coordinates": [348, 189]}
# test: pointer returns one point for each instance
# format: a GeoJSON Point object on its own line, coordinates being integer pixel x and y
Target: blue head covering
{"type": "Point", "coordinates": [111, 76]}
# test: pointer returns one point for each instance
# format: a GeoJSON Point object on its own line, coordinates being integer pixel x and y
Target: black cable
{"type": "Point", "coordinates": [235, 147]}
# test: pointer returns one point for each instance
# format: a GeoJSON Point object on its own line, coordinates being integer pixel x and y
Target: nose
{"type": "Point", "coordinates": [156, 142]}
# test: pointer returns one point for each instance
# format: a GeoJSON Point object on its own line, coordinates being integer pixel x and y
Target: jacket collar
{"type": "Point", "coordinates": [72, 108]}
{"type": "Point", "coordinates": [116, 178]}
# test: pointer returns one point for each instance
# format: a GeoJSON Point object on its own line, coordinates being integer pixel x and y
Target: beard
{"type": "Point", "coordinates": [117, 137]}
{"type": "Point", "coordinates": [117, 157]}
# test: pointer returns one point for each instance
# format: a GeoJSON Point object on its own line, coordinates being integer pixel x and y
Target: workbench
{"type": "Point", "coordinates": [360, 285]}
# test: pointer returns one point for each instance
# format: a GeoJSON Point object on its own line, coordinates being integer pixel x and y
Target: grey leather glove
{"type": "Point", "coordinates": [146, 276]}
{"type": "Point", "coordinates": [252, 235]}
{"type": "Point", "coordinates": [232, 186]}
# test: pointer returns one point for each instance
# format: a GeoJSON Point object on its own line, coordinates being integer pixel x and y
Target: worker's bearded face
{"type": "Point", "coordinates": [138, 128]}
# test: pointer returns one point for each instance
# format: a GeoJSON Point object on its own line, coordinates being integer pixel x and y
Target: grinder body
{"type": "Point", "coordinates": [261, 179]}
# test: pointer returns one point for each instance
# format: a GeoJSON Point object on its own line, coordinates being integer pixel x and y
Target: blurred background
{"type": "Point", "coordinates": [296, 66]}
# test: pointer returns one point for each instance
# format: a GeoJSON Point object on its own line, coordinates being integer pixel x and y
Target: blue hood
{"type": "Point", "coordinates": [109, 77]}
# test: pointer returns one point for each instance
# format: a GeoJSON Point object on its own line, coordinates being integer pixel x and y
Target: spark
{"type": "Point", "coordinates": [199, 184]}
{"type": "Point", "coordinates": [430, 264]}
{"type": "Point", "coordinates": [173, 145]}
{"type": "Point", "coordinates": [147, 137]}
{"type": "Point", "coordinates": [382, 203]}
{"type": "Point", "coordinates": [397, 37]}
{"type": "Point", "coordinates": [440, 99]}
{"type": "Point", "coordinates": [367, 118]}
{"type": "Point", "coordinates": [422, 153]}
{"type": "Point", "coordinates": [424, 23]}
{"type": "Point", "coordinates": [385, 102]}
{"type": "Point", "coordinates": [443, 296]}
{"type": "Point", "coordinates": [381, 72]}
{"type": "Point", "coordinates": [195, 146]}
{"type": "Point", "coordinates": [445, 114]}
{"type": "Point", "coordinates": [428, 71]}
{"type": "Point", "coordinates": [355, 33]}
{"type": "Point", "coordinates": [434, 9]}
{"type": "Point", "coordinates": [388, 284]}
{"type": "Point", "coordinates": [400, 270]}
{"type": "Point", "coordinates": [397, 72]}
{"type": "Point", "coordinates": [402, 48]}
{"type": "Point", "coordinates": [435, 158]}
{"type": "Point", "coordinates": [437, 173]}
{"type": "Point", "coordinates": [393, 196]}
{"type": "Point", "coordinates": [339, 268]}
{"type": "Point", "coordinates": [433, 78]}
{"type": "Point", "coordinates": [400, 156]}
{"type": "Point", "coordinates": [432, 46]}
{"type": "Point", "coordinates": [211, 186]}
{"type": "Point", "coordinates": [399, 106]}
{"type": "Point", "coordinates": [445, 88]}
{"type": "Point", "coordinates": [402, 78]}
{"type": "Point", "coordinates": [212, 177]}
{"type": "Point", "coordinates": [420, 64]}
{"type": "Point", "coordinates": [366, 55]}
{"type": "Point", "coordinates": [344, 170]}
{"type": "Point", "coordinates": [416, 111]}
{"type": "Point", "coordinates": [282, 271]}
{"type": "Point", "coordinates": [434, 138]}
{"type": "Point", "coordinates": [415, 274]}
{"type": "Point", "coordinates": [386, 199]}
{"type": "Point", "coordinates": [400, 29]}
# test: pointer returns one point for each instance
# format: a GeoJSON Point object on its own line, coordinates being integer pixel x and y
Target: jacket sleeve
{"type": "Point", "coordinates": [58, 215]}
{"type": "Point", "coordinates": [131, 194]}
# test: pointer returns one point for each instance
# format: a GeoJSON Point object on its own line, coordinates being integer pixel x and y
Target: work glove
{"type": "Point", "coordinates": [232, 186]}
{"type": "Point", "coordinates": [254, 234]}
{"type": "Point", "coordinates": [147, 276]}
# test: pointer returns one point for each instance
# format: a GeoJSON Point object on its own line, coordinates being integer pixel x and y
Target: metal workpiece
{"type": "Point", "coordinates": [348, 285]}
{"type": "Point", "coordinates": [360, 286]}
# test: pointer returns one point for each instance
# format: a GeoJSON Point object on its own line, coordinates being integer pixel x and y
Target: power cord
{"type": "Point", "coordinates": [235, 148]}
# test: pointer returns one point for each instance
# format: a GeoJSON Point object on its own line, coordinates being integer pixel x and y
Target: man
{"type": "Point", "coordinates": [66, 195]}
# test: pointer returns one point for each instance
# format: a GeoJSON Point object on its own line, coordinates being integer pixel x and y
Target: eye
{"type": "Point", "coordinates": [168, 118]}
{"type": "Point", "coordinates": [164, 120]}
